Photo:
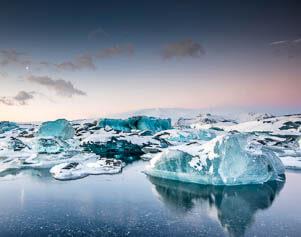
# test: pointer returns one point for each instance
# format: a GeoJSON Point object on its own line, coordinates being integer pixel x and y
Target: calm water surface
{"type": "Point", "coordinates": [131, 204]}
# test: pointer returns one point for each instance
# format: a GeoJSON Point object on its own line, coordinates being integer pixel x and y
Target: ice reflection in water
{"type": "Point", "coordinates": [234, 207]}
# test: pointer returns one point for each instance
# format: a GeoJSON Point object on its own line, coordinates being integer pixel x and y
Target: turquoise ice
{"type": "Point", "coordinates": [7, 126]}
{"type": "Point", "coordinates": [226, 160]}
{"type": "Point", "coordinates": [137, 122]}
{"type": "Point", "coordinates": [59, 128]}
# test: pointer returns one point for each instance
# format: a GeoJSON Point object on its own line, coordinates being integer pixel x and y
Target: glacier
{"type": "Point", "coordinates": [226, 160]}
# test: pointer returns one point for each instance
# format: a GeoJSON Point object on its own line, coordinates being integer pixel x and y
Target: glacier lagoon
{"type": "Point", "coordinates": [130, 203]}
{"type": "Point", "coordinates": [207, 168]}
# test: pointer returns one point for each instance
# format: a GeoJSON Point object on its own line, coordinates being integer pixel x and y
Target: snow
{"type": "Point", "coordinates": [75, 170]}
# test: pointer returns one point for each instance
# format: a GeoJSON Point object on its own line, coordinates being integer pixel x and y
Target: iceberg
{"type": "Point", "coordinates": [124, 146]}
{"type": "Point", "coordinates": [137, 122]}
{"type": "Point", "coordinates": [60, 128]}
{"type": "Point", "coordinates": [226, 160]}
{"type": "Point", "coordinates": [48, 146]}
{"type": "Point", "coordinates": [186, 135]}
{"type": "Point", "coordinates": [114, 148]}
{"type": "Point", "coordinates": [7, 126]}
{"type": "Point", "coordinates": [76, 170]}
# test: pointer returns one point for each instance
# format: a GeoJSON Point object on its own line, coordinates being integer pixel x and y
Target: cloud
{"type": "Point", "coordinates": [4, 74]}
{"type": "Point", "coordinates": [182, 49]}
{"type": "Point", "coordinates": [6, 100]}
{"type": "Point", "coordinates": [85, 61]}
{"type": "Point", "coordinates": [20, 99]}
{"type": "Point", "coordinates": [108, 52]}
{"type": "Point", "coordinates": [70, 66]}
{"type": "Point", "coordinates": [297, 41]}
{"type": "Point", "coordinates": [287, 48]}
{"type": "Point", "coordinates": [13, 57]}
{"type": "Point", "coordinates": [61, 87]}
{"type": "Point", "coordinates": [278, 42]}
{"type": "Point", "coordinates": [98, 31]}
{"type": "Point", "coordinates": [62, 66]}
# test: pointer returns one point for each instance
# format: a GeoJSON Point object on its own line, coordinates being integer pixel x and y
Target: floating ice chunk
{"type": "Point", "coordinates": [137, 122]}
{"type": "Point", "coordinates": [293, 163]}
{"type": "Point", "coordinates": [7, 126]}
{"type": "Point", "coordinates": [225, 160]}
{"type": "Point", "coordinates": [203, 119]}
{"type": "Point", "coordinates": [151, 123]}
{"type": "Point", "coordinates": [76, 170]}
{"type": "Point", "coordinates": [48, 145]}
{"type": "Point", "coordinates": [186, 135]}
{"type": "Point", "coordinates": [60, 128]}
{"type": "Point", "coordinates": [124, 146]}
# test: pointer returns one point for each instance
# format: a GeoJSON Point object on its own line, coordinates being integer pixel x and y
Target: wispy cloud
{"type": "Point", "coordinates": [96, 32]}
{"type": "Point", "coordinates": [288, 48]}
{"type": "Point", "coordinates": [4, 74]}
{"type": "Point", "coordinates": [62, 66]}
{"type": "Point", "coordinates": [278, 42]}
{"type": "Point", "coordinates": [107, 52]}
{"type": "Point", "coordinates": [61, 87]}
{"type": "Point", "coordinates": [20, 99]}
{"type": "Point", "coordinates": [281, 42]}
{"type": "Point", "coordinates": [83, 61]}
{"type": "Point", "coordinates": [13, 57]}
{"type": "Point", "coordinates": [182, 49]}
{"type": "Point", "coordinates": [87, 60]}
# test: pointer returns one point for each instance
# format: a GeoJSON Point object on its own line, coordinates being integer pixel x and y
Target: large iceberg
{"type": "Point", "coordinates": [137, 123]}
{"type": "Point", "coordinates": [226, 160]}
{"type": "Point", "coordinates": [60, 128]}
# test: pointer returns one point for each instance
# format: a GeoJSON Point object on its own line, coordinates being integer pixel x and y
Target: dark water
{"type": "Point", "coordinates": [130, 204]}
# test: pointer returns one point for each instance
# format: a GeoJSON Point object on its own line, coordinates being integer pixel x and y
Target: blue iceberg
{"type": "Point", "coordinates": [48, 146]}
{"type": "Point", "coordinates": [187, 135]}
{"type": "Point", "coordinates": [7, 126]}
{"type": "Point", "coordinates": [137, 122]}
{"type": "Point", "coordinates": [226, 160]}
{"type": "Point", "coordinates": [114, 148]}
{"type": "Point", "coordinates": [60, 128]}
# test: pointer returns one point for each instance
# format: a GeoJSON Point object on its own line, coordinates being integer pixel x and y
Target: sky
{"type": "Point", "coordinates": [88, 59]}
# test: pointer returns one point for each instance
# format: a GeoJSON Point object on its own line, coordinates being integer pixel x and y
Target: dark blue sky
{"type": "Point", "coordinates": [119, 55]}
{"type": "Point", "coordinates": [57, 22]}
